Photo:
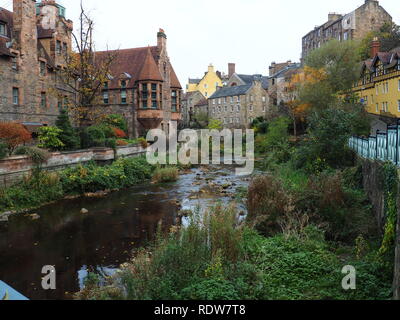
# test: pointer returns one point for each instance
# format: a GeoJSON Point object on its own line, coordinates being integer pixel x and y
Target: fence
{"type": "Point", "coordinates": [385, 146]}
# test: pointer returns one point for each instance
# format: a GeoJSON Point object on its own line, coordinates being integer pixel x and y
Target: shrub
{"type": "Point", "coordinates": [38, 156]}
{"type": "Point", "coordinates": [143, 142]}
{"type": "Point", "coordinates": [169, 174]}
{"type": "Point", "coordinates": [117, 121]}
{"type": "Point", "coordinates": [49, 138]}
{"type": "Point", "coordinates": [266, 203]}
{"type": "Point", "coordinates": [13, 134]}
{"type": "Point", "coordinates": [122, 143]}
{"type": "Point", "coordinates": [215, 124]}
{"type": "Point", "coordinates": [67, 135]}
{"type": "Point", "coordinates": [96, 136]}
{"type": "Point", "coordinates": [118, 133]}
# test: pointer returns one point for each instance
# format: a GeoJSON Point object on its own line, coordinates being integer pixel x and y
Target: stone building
{"type": "Point", "coordinates": [33, 41]}
{"type": "Point", "coordinates": [355, 25]}
{"type": "Point", "coordinates": [143, 87]}
{"type": "Point", "coordinates": [279, 76]}
{"type": "Point", "coordinates": [244, 99]}
{"type": "Point", "coordinates": [189, 106]}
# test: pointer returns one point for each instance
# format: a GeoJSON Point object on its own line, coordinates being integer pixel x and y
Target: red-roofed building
{"type": "Point", "coordinates": [143, 87]}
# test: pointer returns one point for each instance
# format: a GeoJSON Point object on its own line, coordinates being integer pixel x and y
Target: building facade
{"type": "Point", "coordinates": [237, 106]}
{"type": "Point", "coordinates": [280, 75]}
{"type": "Point", "coordinates": [208, 84]}
{"type": "Point", "coordinates": [143, 87]}
{"type": "Point", "coordinates": [34, 39]}
{"type": "Point", "coordinates": [355, 25]}
{"type": "Point", "coordinates": [379, 84]}
{"type": "Point", "coordinates": [190, 105]}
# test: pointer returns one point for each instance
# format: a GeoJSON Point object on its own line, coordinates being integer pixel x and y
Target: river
{"type": "Point", "coordinates": [104, 238]}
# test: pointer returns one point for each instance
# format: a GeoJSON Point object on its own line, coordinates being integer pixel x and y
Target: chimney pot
{"type": "Point", "coordinates": [375, 47]}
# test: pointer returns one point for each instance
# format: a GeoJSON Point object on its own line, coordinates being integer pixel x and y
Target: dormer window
{"type": "Point", "coordinates": [3, 29]}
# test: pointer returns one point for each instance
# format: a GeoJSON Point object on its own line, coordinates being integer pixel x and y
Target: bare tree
{"type": "Point", "coordinates": [85, 75]}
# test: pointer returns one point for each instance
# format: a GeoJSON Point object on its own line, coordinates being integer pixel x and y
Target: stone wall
{"type": "Point", "coordinates": [13, 169]}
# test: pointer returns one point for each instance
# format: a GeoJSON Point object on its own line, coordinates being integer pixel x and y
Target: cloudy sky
{"type": "Point", "coordinates": [251, 33]}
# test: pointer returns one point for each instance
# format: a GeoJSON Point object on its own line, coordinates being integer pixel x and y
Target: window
{"type": "Point", "coordinates": [154, 103]}
{"type": "Point", "coordinates": [377, 107]}
{"type": "Point", "coordinates": [16, 96]}
{"type": "Point", "coordinates": [251, 108]}
{"type": "Point", "coordinates": [226, 108]}
{"type": "Point", "coordinates": [14, 62]}
{"type": "Point", "coordinates": [398, 105]}
{"type": "Point", "coordinates": [264, 99]}
{"type": "Point", "coordinates": [238, 98]}
{"type": "Point", "coordinates": [58, 47]}
{"type": "Point", "coordinates": [43, 100]}
{"type": "Point", "coordinates": [144, 96]}
{"type": "Point", "coordinates": [345, 36]}
{"type": "Point", "coordinates": [65, 48]}
{"type": "Point", "coordinates": [238, 108]}
{"type": "Point", "coordinates": [42, 68]}
{"type": "Point", "coordinates": [214, 101]}
{"type": "Point", "coordinates": [231, 99]}
{"type": "Point", "coordinates": [174, 99]}
{"type": "Point", "coordinates": [205, 86]}
{"type": "Point", "coordinates": [3, 29]}
{"type": "Point", "coordinates": [106, 97]}
{"type": "Point", "coordinates": [399, 85]}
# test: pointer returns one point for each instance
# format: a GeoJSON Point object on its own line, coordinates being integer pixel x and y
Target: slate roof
{"type": "Point", "coordinates": [194, 81]}
{"type": "Point", "coordinates": [248, 79]}
{"type": "Point", "coordinates": [231, 91]}
{"type": "Point", "coordinates": [202, 102]}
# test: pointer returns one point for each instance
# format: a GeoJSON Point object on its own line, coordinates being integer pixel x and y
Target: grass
{"type": "Point", "coordinates": [163, 175]}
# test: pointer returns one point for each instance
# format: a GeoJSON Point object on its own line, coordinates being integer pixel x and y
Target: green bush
{"type": "Point", "coordinates": [49, 138]}
{"type": "Point", "coordinates": [37, 155]}
{"type": "Point", "coordinates": [91, 178]}
{"type": "Point", "coordinates": [117, 121]}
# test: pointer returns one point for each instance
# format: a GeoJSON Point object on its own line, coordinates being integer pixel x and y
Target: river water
{"type": "Point", "coordinates": [104, 238]}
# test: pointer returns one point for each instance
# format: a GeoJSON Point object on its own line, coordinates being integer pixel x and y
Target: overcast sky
{"type": "Point", "coordinates": [251, 33]}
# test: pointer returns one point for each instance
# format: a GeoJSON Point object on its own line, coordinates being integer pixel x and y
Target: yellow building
{"type": "Point", "coordinates": [379, 84]}
{"type": "Point", "coordinates": [207, 85]}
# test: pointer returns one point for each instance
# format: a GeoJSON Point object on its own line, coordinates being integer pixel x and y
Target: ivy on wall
{"type": "Point", "coordinates": [391, 183]}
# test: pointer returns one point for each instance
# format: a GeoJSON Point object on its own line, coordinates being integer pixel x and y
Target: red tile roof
{"type": "Point", "coordinates": [138, 63]}
{"type": "Point", "coordinates": [149, 69]}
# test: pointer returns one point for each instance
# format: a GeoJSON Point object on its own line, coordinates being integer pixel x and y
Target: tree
{"type": "Point", "coordinates": [13, 134]}
{"type": "Point", "coordinates": [202, 119]}
{"type": "Point", "coordinates": [67, 135]}
{"type": "Point", "coordinates": [83, 74]}
{"type": "Point", "coordinates": [388, 35]}
{"type": "Point", "coordinates": [215, 124]}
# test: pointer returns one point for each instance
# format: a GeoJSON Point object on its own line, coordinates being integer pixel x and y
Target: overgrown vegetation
{"type": "Point", "coordinates": [213, 259]}
{"type": "Point", "coordinates": [42, 187]}
{"type": "Point", "coordinates": [168, 174]}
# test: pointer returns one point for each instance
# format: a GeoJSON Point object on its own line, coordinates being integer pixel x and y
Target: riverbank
{"type": "Point", "coordinates": [43, 187]}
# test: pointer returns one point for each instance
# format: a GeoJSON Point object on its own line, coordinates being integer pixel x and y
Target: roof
{"type": "Point", "coordinates": [149, 69]}
{"type": "Point", "coordinates": [282, 72]}
{"type": "Point", "coordinates": [231, 91]}
{"type": "Point", "coordinates": [139, 63]}
{"type": "Point", "coordinates": [194, 81]}
{"type": "Point", "coordinates": [248, 79]}
{"type": "Point", "coordinates": [202, 102]}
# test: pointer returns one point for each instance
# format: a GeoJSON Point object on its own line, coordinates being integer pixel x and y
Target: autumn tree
{"type": "Point", "coordinates": [13, 134]}
{"type": "Point", "coordinates": [295, 108]}
{"type": "Point", "coordinates": [83, 74]}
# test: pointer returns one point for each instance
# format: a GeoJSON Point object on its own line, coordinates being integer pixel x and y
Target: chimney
{"type": "Point", "coordinates": [334, 16]}
{"type": "Point", "coordinates": [231, 69]}
{"type": "Point", "coordinates": [161, 41]}
{"type": "Point", "coordinates": [210, 68]}
{"type": "Point", "coordinates": [375, 47]}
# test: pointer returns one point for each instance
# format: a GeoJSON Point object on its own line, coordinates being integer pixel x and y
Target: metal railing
{"type": "Point", "coordinates": [384, 146]}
